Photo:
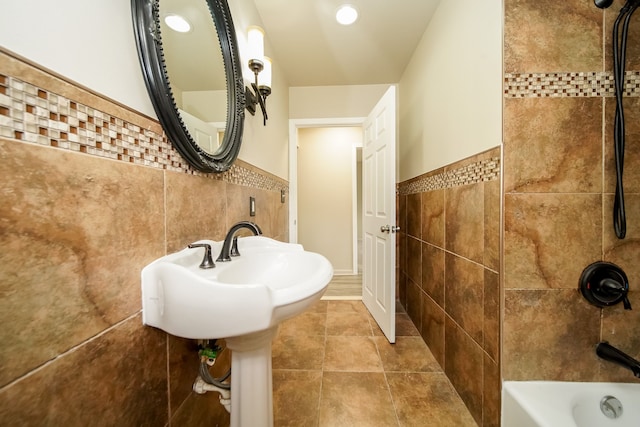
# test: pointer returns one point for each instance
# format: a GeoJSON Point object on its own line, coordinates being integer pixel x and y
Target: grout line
{"type": "Point", "coordinates": [69, 351]}
{"type": "Point", "coordinates": [324, 353]}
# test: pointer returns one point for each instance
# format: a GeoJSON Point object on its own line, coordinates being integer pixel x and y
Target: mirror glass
{"type": "Point", "coordinates": [195, 68]}
{"type": "Point", "coordinates": [193, 78]}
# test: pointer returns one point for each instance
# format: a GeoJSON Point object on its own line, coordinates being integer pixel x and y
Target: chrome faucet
{"type": "Point", "coordinates": [608, 352]}
{"type": "Point", "coordinates": [227, 250]}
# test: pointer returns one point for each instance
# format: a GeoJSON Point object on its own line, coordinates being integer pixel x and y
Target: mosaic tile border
{"type": "Point", "coordinates": [481, 171]}
{"type": "Point", "coordinates": [555, 85]}
{"type": "Point", "coordinates": [34, 115]}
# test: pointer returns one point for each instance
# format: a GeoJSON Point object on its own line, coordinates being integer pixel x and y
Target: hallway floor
{"type": "Point", "coordinates": [332, 366]}
{"type": "Point", "coordinates": [344, 287]}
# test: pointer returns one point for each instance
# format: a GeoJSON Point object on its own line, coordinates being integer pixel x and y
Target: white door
{"type": "Point", "coordinates": [379, 214]}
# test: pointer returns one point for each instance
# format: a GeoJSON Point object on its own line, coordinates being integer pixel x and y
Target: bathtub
{"type": "Point", "coordinates": [567, 404]}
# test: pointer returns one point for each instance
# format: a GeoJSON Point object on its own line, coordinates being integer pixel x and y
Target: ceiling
{"type": "Point", "coordinates": [305, 41]}
{"type": "Point", "coordinates": [314, 50]}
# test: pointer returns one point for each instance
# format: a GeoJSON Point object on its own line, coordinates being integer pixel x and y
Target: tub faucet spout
{"type": "Point", "coordinates": [227, 251]}
{"type": "Point", "coordinates": [608, 352]}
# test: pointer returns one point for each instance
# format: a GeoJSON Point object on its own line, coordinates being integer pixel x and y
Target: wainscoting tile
{"type": "Point", "coordinates": [414, 303]}
{"type": "Point", "coordinates": [491, 314]}
{"type": "Point", "coordinates": [414, 261]}
{"type": "Point", "coordinates": [201, 410]}
{"type": "Point", "coordinates": [196, 207]}
{"type": "Point", "coordinates": [414, 215]}
{"type": "Point", "coordinates": [492, 202]}
{"type": "Point", "coordinates": [464, 223]}
{"type": "Point", "coordinates": [60, 212]}
{"type": "Point", "coordinates": [464, 295]}
{"type": "Point", "coordinates": [69, 392]}
{"type": "Point", "coordinates": [433, 217]}
{"type": "Point", "coordinates": [491, 397]}
{"type": "Point", "coordinates": [433, 328]}
{"type": "Point", "coordinates": [463, 364]}
{"type": "Point", "coordinates": [433, 272]}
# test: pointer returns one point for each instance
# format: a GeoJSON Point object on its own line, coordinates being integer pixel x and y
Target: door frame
{"type": "Point", "coordinates": [294, 125]}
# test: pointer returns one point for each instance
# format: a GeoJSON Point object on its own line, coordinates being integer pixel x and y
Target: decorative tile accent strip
{"type": "Point", "coordinates": [555, 85]}
{"type": "Point", "coordinates": [31, 114]}
{"type": "Point", "coordinates": [250, 177]}
{"type": "Point", "coordinates": [482, 171]}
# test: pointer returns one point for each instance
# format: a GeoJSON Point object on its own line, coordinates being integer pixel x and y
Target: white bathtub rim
{"type": "Point", "coordinates": [533, 398]}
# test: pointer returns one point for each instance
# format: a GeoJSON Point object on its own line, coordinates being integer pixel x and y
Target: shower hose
{"type": "Point", "coordinates": [619, 59]}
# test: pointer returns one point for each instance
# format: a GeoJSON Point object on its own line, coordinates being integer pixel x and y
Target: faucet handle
{"type": "Point", "coordinates": [207, 260]}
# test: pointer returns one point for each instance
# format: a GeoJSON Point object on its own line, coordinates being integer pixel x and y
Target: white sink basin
{"type": "Point", "coordinates": [243, 301]}
{"type": "Point", "coordinates": [269, 282]}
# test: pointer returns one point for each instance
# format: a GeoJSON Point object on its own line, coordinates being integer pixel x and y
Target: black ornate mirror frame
{"type": "Point", "coordinates": [146, 23]}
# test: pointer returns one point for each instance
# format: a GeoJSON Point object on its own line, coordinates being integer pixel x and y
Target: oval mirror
{"type": "Point", "coordinates": [194, 78]}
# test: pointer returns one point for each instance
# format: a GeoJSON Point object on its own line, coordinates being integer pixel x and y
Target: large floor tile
{"type": "Point", "coordinates": [427, 399]}
{"type": "Point", "coordinates": [408, 354]}
{"type": "Point", "coordinates": [356, 399]}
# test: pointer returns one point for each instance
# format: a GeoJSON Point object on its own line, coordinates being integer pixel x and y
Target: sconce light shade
{"type": "Point", "coordinates": [255, 42]}
{"type": "Point", "coordinates": [258, 64]}
{"type": "Point", "coordinates": [265, 76]}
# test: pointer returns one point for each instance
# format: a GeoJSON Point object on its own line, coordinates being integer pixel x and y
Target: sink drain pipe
{"type": "Point", "coordinates": [201, 387]}
{"type": "Point", "coordinates": [206, 382]}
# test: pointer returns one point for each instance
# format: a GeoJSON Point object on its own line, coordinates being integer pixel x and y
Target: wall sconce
{"type": "Point", "coordinates": [258, 63]}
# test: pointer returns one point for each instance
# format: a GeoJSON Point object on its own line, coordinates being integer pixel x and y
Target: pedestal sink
{"type": "Point", "coordinates": [242, 301]}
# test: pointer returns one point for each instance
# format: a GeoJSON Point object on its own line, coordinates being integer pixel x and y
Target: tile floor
{"type": "Point", "coordinates": [332, 366]}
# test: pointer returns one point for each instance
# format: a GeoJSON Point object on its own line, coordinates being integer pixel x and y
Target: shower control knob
{"type": "Point", "coordinates": [604, 284]}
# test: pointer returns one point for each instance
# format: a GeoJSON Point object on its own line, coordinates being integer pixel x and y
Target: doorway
{"type": "Point", "coordinates": [325, 198]}
{"type": "Point", "coordinates": [378, 204]}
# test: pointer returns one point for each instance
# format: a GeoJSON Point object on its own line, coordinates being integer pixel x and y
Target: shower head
{"type": "Point", "coordinates": [603, 4]}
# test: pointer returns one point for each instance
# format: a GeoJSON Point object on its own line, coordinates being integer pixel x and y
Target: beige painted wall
{"type": "Point", "coordinates": [266, 147]}
{"type": "Point", "coordinates": [208, 105]}
{"type": "Point", "coordinates": [325, 193]}
{"type": "Point", "coordinates": [451, 92]}
{"type": "Point", "coordinates": [334, 101]}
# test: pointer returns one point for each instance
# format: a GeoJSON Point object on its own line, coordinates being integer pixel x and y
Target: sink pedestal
{"type": "Point", "coordinates": [251, 379]}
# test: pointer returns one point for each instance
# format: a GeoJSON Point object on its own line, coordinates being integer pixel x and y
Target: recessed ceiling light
{"type": "Point", "coordinates": [177, 23]}
{"type": "Point", "coordinates": [346, 14]}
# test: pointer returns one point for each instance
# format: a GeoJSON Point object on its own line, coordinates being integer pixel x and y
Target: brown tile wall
{"type": "Point", "coordinates": [449, 280]}
{"type": "Point", "coordinates": [558, 189]}
{"type": "Point", "coordinates": [78, 221]}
